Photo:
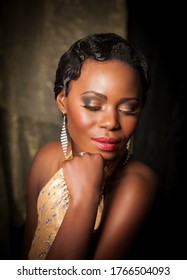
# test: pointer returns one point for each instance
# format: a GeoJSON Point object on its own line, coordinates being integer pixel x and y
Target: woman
{"type": "Point", "coordinates": [88, 195]}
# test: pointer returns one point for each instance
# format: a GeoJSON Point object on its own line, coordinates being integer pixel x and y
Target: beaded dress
{"type": "Point", "coordinates": [52, 204]}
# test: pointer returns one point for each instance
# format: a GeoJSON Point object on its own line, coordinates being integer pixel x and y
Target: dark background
{"type": "Point", "coordinates": [155, 27]}
{"type": "Point", "coordinates": [159, 30]}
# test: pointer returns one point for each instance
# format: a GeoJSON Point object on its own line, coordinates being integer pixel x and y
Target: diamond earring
{"type": "Point", "coordinates": [63, 136]}
{"type": "Point", "coordinates": [129, 150]}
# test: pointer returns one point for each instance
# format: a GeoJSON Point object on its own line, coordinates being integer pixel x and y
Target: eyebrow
{"type": "Point", "coordinates": [96, 93]}
{"type": "Point", "coordinates": [122, 100]}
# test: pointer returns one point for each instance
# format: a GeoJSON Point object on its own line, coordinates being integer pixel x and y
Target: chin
{"type": "Point", "coordinates": [108, 156]}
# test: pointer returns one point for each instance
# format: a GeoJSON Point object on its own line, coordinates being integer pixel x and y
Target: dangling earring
{"type": "Point", "coordinates": [129, 149]}
{"type": "Point", "coordinates": [64, 137]}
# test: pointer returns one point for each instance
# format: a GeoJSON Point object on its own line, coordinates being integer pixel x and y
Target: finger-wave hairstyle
{"type": "Point", "coordinates": [99, 47]}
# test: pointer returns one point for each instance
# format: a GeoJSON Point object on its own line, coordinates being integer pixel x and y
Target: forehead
{"type": "Point", "coordinates": [109, 67]}
{"type": "Point", "coordinates": [107, 76]}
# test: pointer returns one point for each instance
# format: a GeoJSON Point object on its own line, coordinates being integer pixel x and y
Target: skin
{"type": "Point", "coordinates": [105, 101]}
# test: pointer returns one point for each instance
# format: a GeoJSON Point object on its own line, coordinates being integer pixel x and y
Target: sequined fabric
{"type": "Point", "coordinates": [52, 205]}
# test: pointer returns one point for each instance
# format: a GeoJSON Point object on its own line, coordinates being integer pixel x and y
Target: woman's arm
{"type": "Point", "coordinates": [125, 210]}
{"type": "Point", "coordinates": [84, 177]}
{"type": "Point", "coordinates": [44, 165]}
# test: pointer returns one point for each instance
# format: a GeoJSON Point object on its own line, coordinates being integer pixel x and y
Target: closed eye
{"type": "Point", "coordinates": [125, 112]}
{"type": "Point", "coordinates": [129, 109]}
{"type": "Point", "coordinates": [92, 108]}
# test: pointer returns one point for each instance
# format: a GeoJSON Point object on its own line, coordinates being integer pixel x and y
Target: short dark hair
{"type": "Point", "coordinates": [99, 47]}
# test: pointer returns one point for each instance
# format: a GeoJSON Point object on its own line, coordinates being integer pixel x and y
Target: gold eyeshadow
{"type": "Point", "coordinates": [91, 101]}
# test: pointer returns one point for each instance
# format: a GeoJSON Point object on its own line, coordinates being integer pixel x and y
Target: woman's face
{"type": "Point", "coordinates": [103, 107]}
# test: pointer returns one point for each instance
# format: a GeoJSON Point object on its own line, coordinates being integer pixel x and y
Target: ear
{"type": "Point", "coordinates": [62, 102]}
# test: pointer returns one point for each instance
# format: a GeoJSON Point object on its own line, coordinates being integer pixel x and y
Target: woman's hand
{"type": "Point", "coordinates": [84, 177]}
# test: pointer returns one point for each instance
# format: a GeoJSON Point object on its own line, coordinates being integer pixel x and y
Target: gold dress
{"type": "Point", "coordinates": [52, 205]}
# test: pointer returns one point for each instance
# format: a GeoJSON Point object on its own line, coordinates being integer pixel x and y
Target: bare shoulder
{"type": "Point", "coordinates": [139, 170]}
{"type": "Point", "coordinates": [127, 202]}
{"type": "Point", "coordinates": [134, 189]}
{"type": "Point", "coordinates": [49, 155]}
{"type": "Point", "coordinates": [48, 151]}
{"type": "Point", "coordinates": [46, 162]}
{"type": "Point", "coordinates": [138, 183]}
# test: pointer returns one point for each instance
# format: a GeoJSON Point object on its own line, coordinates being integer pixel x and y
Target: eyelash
{"type": "Point", "coordinates": [97, 108]}
{"type": "Point", "coordinates": [92, 108]}
{"type": "Point", "coordinates": [128, 113]}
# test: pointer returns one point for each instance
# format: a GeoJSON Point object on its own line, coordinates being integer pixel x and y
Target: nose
{"type": "Point", "coordinates": [109, 119]}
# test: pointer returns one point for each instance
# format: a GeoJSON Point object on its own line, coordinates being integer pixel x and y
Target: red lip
{"type": "Point", "coordinates": [107, 144]}
{"type": "Point", "coordinates": [106, 140]}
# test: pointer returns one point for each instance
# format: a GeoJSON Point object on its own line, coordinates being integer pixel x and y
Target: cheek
{"type": "Point", "coordinates": [79, 121]}
{"type": "Point", "coordinates": [129, 126]}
